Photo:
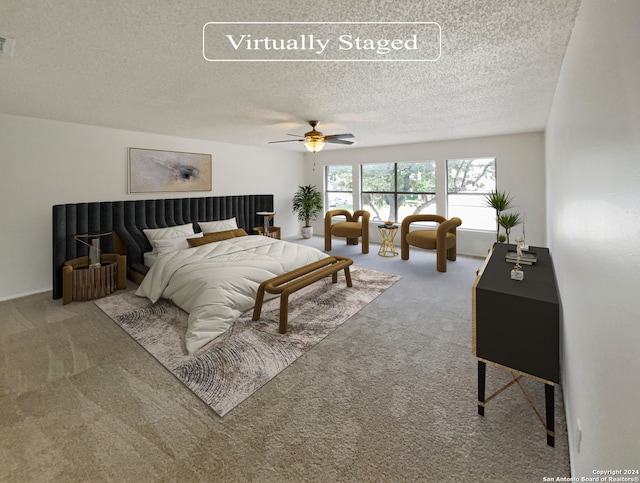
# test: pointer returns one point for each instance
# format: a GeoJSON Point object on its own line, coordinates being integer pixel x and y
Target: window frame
{"type": "Point", "coordinates": [393, 212]}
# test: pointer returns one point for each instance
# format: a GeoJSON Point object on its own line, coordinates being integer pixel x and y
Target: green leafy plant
{"type": "Point", "coordinates": [307, 203]}
{"type": "Point", "coordinates": [508, 221]}
{"type": "Point", "coordinates": [500, 201]}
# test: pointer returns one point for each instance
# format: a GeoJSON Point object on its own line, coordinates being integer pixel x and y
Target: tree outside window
{"type": "Point", "coordinates": [391, 191]}
{"type": "Point", "coordinates": [339, 187]}
{"type": "Point", "coordinates": [468, 183]}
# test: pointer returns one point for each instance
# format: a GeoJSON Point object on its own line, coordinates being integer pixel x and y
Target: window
{"type": "Point", "coordinates": [391, 191]}
{"type": "Point", "coordinates": [339, 188]}
{"type": "Point", "coordinates": [468, 182]}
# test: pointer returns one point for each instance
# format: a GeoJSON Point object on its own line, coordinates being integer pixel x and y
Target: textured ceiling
{"type": "Point", "coordinates": [138, 65]}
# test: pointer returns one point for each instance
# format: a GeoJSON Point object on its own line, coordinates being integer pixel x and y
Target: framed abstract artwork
{"type": "Point", "coordinates": [153, 171]}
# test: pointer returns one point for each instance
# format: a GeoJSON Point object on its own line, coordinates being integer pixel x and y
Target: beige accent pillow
{"type": "Point", "coordinates": [217, 226]}
{"type": "Point", "coordinates": [216, 236]}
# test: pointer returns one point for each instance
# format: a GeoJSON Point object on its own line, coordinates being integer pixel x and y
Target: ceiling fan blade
{"type": "Point", "coordinates": [287, 141]}
{"type": "Point", "coordinates": [340, 136]}
{"type": "Point", "coordinates": [295, 135]}
{"type": "Point", "coordinates": [338, 141]}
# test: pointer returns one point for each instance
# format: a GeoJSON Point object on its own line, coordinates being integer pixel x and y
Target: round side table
{"type": "Point", "coordinates": [388, 233]}
{"type": "Point", "coordinates": [80, 281]}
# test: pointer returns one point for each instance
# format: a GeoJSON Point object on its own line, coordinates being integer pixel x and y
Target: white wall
{"type": "Point", "coordinates": [44, 163]}
{"type": "Point", "coordinates": [520, 171]}
{"type": "Point", "coordinates": [593, 166]}
{"type": "Point", "coordinates": [50, 162]}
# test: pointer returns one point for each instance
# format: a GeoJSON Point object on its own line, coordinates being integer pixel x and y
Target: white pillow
{"type": "Point", "coordinates": [220, 225]}
{"type": "Point", "coordinates": [168, 245]}
{"type": "Point", "coordinates": [149, 258]}
{"type": "Point", "coordinates": [154, 234]}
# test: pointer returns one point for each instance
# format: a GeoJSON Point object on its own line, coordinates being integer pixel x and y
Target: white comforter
{"type": "Point", "coordinates": [216, 282]}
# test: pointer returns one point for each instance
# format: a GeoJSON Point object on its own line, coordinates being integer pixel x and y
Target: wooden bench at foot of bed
{"type": "Point", "coordinates": [292, 281]}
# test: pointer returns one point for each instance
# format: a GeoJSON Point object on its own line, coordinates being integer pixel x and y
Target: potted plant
{"type": "Point", "coordinates": [508, 221]}
{"type": "Point", "coordinates": [499, 201]}
{"type": "Point", "coordinates": [307, 204]}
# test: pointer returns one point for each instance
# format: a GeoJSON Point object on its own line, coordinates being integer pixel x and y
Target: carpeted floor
{"type": "Point", "coordinates": [388, 396]}
{"type": "Point", "coordinates": [239, 362]}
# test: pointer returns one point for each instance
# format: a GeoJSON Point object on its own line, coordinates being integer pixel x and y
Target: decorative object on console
{"type": "Point", "coordinates": [152, 171]}
{"type": "Point", "coordinates": [508, 221]}
{"type": "Point", "coordinates": [314, 140]}
{"type": "Point", "coordinates": [501, 201]}
{"type": "Point", "coordinates": [525, 246]}
{"type": "Point", "coordinates": [307, 204]}
{"type": "Point", "coordinates": [517, 273]}
{"type": "Point", "coordinates": [527, 258]}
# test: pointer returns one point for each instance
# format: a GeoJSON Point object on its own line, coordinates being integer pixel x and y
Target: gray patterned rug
{"type": "Point", "coordinates": [237, 363]}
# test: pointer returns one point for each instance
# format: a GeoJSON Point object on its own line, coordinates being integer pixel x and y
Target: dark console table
{"type": "Point", "coordinates": [516, 325]}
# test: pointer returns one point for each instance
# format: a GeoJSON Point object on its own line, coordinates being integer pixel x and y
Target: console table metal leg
{"type": "Point", "coordinates": [549, 403]}
{"type": "Point", "coordinates": [482, 369]}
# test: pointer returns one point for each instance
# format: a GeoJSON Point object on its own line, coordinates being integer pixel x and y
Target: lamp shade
{"type": "Point", "coordinates": [94, 246]}
{"type": "Point", "coordinates": [313, 145]}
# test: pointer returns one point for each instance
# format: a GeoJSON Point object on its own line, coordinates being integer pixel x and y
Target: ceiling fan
{"type": "Point", "coordinates": [314, 140]}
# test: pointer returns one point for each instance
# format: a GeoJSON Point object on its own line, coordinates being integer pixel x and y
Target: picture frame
{"type": "Point", "coordinates": [155, 171]}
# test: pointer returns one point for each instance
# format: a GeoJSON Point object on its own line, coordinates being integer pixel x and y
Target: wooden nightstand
{"type": "Point", "coordinates": [274, 231]}
{"type": "Point", "coordinates": [81, 282]}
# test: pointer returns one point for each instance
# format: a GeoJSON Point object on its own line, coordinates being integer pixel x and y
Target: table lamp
{"type": "Point", "coordinates": [94, 246]}
{"type": "Point", "coordinates": [268, 215]}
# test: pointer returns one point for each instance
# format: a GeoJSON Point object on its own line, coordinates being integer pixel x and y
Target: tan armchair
{"type": "Point", "coordinates": [442, 239]}
{"type": "Point", "coordinates": [351, 229]}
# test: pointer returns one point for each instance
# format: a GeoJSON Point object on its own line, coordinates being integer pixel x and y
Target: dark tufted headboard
{"type": "Point", "coordinates": [128, 218]}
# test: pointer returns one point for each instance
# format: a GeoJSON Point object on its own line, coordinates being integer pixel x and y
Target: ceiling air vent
{"type": "Point", "coordinates": [6, 45]}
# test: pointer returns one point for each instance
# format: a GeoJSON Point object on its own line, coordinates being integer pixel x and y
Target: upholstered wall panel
{"type": "Point", "coordinates": [129, 218]}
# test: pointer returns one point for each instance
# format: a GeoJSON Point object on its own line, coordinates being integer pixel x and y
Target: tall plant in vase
{"type": "Point", "coordinates": [307, 204]}
{"type": "Point", "coordinates": [508, 221]}
{"type": "Point", "coordinates": [500, 201]}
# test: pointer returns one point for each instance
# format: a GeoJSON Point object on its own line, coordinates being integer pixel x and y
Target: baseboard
{"type": "Point", "coordinates": [25, 294]}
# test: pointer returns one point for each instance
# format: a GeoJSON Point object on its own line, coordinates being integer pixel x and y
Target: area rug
{"type": "Point", "coordinates": [237, 363]}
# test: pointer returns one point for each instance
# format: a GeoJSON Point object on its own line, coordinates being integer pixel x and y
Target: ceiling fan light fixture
{"type": "Point", "coordinates": [314, 140]}
{"type": "Point", "coordinates": [313, 145]}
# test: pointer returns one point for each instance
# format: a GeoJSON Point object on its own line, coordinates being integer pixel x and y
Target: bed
{"type": "Point", "coordinates": [216, 282]}
{"type": "Point", "coordinates": [196, 252]}
{"type": "Point", "coordinates": [127, 220]}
